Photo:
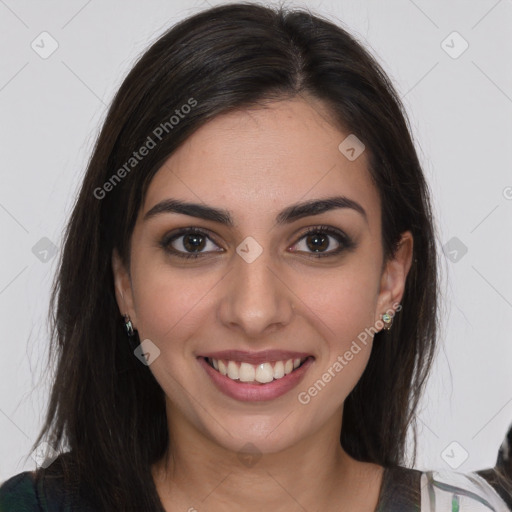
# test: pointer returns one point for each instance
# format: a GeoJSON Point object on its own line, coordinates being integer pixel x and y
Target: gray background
{"type": "Point", "coordinates": [461, 115]}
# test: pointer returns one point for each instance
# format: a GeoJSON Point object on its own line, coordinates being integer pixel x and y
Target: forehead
{"type": "Point", "coordinates": [262, 159]}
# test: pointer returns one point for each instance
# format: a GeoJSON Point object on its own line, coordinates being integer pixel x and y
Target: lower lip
{"type": "Point", "coordinates": [256, 392]}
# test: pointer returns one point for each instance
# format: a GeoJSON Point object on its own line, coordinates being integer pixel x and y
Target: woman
{"type": "Point", "coordinates": [245, 312]}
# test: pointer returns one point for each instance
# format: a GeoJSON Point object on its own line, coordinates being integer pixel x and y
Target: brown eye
{"type": "Point", "coordinates": [317, 241]}
{"type": "Point", "coordinates": [194, 242]}
{"type": "Point", "coordinates": [189, 243]}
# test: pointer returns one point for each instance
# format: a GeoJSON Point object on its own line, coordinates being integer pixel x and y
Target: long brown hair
{"type": "Point", "coordinates": [106, 409]}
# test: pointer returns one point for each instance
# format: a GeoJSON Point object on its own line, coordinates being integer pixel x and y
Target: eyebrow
{"type": "Point", "coordinates": [286, 216]}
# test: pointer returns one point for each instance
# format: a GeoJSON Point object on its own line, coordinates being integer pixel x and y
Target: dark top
{"type": "Point", "coordinates": [400, 492]}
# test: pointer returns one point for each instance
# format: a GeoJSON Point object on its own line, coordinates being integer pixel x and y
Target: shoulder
{"type": "Point", "coordinates": [400, 490]}
{"type": "Point", "coordinates": [48, 489]}
{"type": "Point", "coordinates": [452, 490]}
{"type": "Point", "coordinates": [18, 493]}
{"type": "Point", "coordinates": [405, 489]}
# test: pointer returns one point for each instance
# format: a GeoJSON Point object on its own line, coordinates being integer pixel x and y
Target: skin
{"type": "Point", "coordinates": [255, 163]}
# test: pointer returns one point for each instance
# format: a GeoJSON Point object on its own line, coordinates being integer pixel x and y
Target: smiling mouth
{"type": "Point", "coordinates": [262, 373]}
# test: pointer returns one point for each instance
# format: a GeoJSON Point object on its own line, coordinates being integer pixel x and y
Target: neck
{"type": "Point", "coordinates": [313, 474]}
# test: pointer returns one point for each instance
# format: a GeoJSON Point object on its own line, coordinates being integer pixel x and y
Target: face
{"type": "Point", "coordinates": [260, 283]}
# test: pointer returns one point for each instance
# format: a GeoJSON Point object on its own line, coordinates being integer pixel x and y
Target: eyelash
{"type": "Point", "coordinates": [346, 243]}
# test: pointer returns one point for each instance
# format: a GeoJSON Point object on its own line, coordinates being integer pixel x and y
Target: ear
{"type": "Point", "coordinates": [392, 284]}
{"type": "Point", "coordinates": [123, 288]}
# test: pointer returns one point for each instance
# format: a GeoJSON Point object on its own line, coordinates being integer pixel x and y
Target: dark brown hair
{"type": "Point", "coordinates": [106, 408]}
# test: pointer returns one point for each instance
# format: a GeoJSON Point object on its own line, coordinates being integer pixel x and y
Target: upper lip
{"type": "Point", "coordinates": [256, 357]}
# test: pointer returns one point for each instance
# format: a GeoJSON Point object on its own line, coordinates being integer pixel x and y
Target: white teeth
{"type": "Point", "coordinates": [233, 370]}
{"type": "Point", "coordinates": [246, 373]}
{"type": "Point", "coordinates": [279, 370]}
{"type": "Point", "coordinates": [262, 373]}
{"type": "Point", "coordinates": [222, 366]}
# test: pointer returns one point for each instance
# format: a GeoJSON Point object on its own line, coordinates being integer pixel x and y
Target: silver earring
{"type": "Point", "coordinates": [128, 326]}
{"type": "Point", "coordinates": [388, 321]}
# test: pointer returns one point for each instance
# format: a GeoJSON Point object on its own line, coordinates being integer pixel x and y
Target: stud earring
{"type": "Point", "coordinates": [128, 326]}
{"type": "Point", "coordinates": [388, 321]}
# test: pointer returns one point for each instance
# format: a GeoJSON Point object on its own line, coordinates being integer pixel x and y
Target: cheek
{"type": "Point", "coordinates": [343, 300]}
{"type": "Point", "coordinates": [165, 299]}
{"type": "Point", "coordinates": [344, 305]}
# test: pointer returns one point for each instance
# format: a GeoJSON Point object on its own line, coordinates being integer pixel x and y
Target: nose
{"type": "Point", "coordinates": [256, 299]}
